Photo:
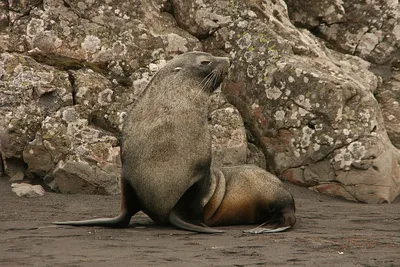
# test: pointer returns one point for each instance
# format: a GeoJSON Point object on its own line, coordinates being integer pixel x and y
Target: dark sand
{"type": "Point", "coordinates": [329, 232]}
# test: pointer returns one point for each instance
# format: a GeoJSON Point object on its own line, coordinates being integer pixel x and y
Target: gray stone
{"type": "Point", "coordinates": [76, 176]}
{"type": "Point", "coordinates": [73, 156]}
{"type": "Point", "coordinates": [229, 143]}
{"type": "Point", "coordinates": [388, 96]}
{"type": "Point", "coordinates": [19, 176]}
{"type": "Point", "coordinates": [27, 190]}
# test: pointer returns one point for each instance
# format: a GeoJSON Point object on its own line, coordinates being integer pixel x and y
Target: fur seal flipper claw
{"type": "Point", "coordinates": [120, 221]}
{"type": "Point", "coordinates": [177, 221]}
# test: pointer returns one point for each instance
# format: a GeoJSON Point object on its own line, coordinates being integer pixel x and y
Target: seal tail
{"type": "Point", "coordinates": [177, 221]}
{"type": "Point", "coordinates": [120, 221]}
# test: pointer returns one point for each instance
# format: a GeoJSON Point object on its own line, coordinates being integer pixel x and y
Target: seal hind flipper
{"type": "Point", "coordinates": [129, 206]}
{"type": "Point", "coordinates": [120, 221]}
{"type": "Point", "coordinates": [176, 220]}
{"type": "Point", "coordinates": [287, 220]}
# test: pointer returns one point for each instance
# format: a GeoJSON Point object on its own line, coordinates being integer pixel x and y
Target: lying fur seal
{"type": "Point", "coordinates": [247, 194]}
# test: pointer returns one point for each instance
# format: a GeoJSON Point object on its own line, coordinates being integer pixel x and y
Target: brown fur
{"type": "Point", "coordinates": [251, 195]}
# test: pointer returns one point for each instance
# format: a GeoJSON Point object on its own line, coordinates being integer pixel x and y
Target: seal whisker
{"type": "Point", "coordinates": [212, 78]}
{"type": "Point", "coordinates": [218, 72]}
{"type": "Point", "coordinates": [203, 82]}
{"type": "Point", "coordinates": [206, 82]}
{"type": "Point", "coordinates": [209, 80]}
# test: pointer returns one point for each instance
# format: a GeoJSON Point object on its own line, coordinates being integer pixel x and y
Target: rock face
{"type": "Point", "coordinates": [313, 89]}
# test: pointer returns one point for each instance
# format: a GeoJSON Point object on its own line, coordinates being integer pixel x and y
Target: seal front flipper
{"type": "Point", "coordinates": [129, 207]}
{"type": "Point", "coordinates": [267, 229]}
{"type": "Point", "coordinates": [176, 220]}
{"type": "Point", "coordinates": [285, 221]}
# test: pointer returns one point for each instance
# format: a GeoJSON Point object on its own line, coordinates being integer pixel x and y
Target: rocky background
{"type": "Point", "coordinates": [313, 92]}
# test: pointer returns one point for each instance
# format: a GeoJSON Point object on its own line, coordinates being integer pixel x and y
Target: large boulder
{"type": "Point", "coordinates": [312, 110]}
{"type": "Point", "coordinates": [73, 156]}
{"type": "Point", "coordinates": [29, 91]}
{"type": "Point", "coordinates": [369, 29]}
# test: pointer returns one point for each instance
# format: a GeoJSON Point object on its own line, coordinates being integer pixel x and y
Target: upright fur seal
{"type": "Point", "coordinates": [166, 146]}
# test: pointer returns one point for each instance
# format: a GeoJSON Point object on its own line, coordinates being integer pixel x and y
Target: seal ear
{"type": "Point", "coordinates": [205, 62]}
{"type": "Point", "coordinates": [177, 69]}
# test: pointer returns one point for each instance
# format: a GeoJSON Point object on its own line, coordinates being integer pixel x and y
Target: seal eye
{"type": "Point", "coordinates": [177, 69]}
{"type": "Point", "coordinates": [205, 62]}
